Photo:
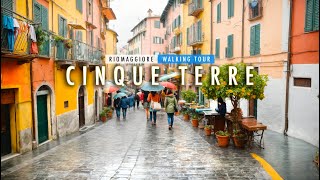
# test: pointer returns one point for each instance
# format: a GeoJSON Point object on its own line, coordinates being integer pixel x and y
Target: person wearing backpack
{"type": "Point", "coordinates": [116, 104]}
{"type": "Point", "coordinates": [170, 105]}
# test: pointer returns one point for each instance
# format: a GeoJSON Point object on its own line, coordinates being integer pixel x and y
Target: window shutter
{"type": "Point", "coordinates": [187, 35]}
{"type": "Point", "coordinates": [230, 46]}
{"type": "Point", "coordinates": [7, 4]}
{"type": "Point", "coordinates": [200, 30]}
{"type": "Point", "coordinates": [79, 5]}
{"type": "Point", "coordinates": [231, 8]}
{"type": "Point", "coordinates": [217, 48]}
{"type": "Point", "coordinates": [65, 27]}
{"type": "Point", "coordinates": [36, 12]}
{"type": "Point", "coordinates": [44, 18]}
{"type": "Point", "coordinates": [257, 39]}
{"type": "Point", "coordinates": [316, 15]}
{"type": "Point", "coordinates": [252, 40]}
{"type": "Point", "coordinates": [309, 15]}
{"type": "Point", "coordinates": [180, 39]}
{"type": "Point", "coordinates": [60, 25]}
{"type": "Point", "coordinates": [199, 51]}
{"type": "Point", "coordinates": [219, 13]}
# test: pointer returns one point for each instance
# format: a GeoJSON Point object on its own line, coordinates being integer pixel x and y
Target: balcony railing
{"type": "Point", "coordinates": [196, 38]}
{"type": "Point", "coordinates": [79, 51]}
{"type": "Point", "coordinates": [195, 8]}
{"type": "Point", "coordinates": [15, 40]}
{"type": "Point", "coordinates": [255, 10]}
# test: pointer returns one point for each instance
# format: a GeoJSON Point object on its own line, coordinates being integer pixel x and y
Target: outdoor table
{"type": "Point", "coordinates": [254, 129]}
{"type": "Point", "coordinates": [216, 120]}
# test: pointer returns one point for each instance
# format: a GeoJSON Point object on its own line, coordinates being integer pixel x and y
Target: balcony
{"type": "Point", "coordinates": [196, 39]}
{"type": "Point", "coordinates": [176, 49]}
{"type": "Point", "coordinates": [15, 44]}
{"type": "Point", "coordinates": [177, 31]}
{"type": "Point", "coordinates": [255, 10]}
{"type": "Point", "coordinates": [195, 8]}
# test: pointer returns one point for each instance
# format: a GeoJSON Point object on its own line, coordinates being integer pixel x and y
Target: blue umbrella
{"type": "Point", "coordinates": [149, 87]}
{"type": "Point", "coordinates": [169, 76]}
{"type": "Point", "coordinates": [119, 95]}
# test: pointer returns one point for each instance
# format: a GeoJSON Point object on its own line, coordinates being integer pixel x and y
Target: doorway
{"type": "Point", "coordinates": [42, 112]}
{"type": "Point", "coordinates": [81, 107]}
{"type": "Point", "coordinates": [5, 130]}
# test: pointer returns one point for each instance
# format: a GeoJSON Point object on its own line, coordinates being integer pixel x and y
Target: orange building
{"type": "Point", "coordinates": [303, 120]}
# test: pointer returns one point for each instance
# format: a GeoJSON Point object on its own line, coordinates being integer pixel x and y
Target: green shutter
{"type": "Point", "coordinates": [179, 20]}
{"type": "Point", "coordinates": [309, 16]}
{"type": "Point", "coordinates": [79, 5]}
{"type": "Point", "coordinates": [252, 41]}
{"type": "Point", "coordinates": [187, 35]}
{"type": "Point", "coordinates": [230, 46]}
{"type": "Point", "coordinates": [7, 4]}
{"type": "Point", "coordinates": [65, 27]}
{"type": "Point", "coordinates": [44, 18]}
{"type": "Point", "coordinates": [37, 12]}
{"type": "Point", "coordinates": [60, 25]}
{"type": "Point", "coordinates": [219, 13]}
{"type": "Point", "coordinates": [217, 48]}
{"type": "Point", "coordinates": [257, 39]}
{"type": "Point", "coordinates": [231, 8]}
{"type": "Point", "coordinates": [316, 15]}
{"type": "Point", "coordinates": [199, 30]}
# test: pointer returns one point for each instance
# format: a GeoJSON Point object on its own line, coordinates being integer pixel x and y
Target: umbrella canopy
{"type": "Point", "coordinates": [169, 76]}
{"type": "Point", "coordinates": [109, 87]}
{"type": "Point", "coordinates": [149, 87]}
{"type": "Point", "coordinates": [169, 85]}
{"type": "Point", "coordinates": [120, 95]}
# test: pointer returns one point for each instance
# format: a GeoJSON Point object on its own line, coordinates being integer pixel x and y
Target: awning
{"type": "Point", "coordinates": [91, 25]}
{"type": "Point", "coordinates": [77, 26]}
{"type": "Point", "coordinates": [108, 13]}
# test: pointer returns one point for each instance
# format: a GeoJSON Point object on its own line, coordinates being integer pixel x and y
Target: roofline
{"type": "Point", "coordinates": [144, 20]}
{"type": "Point", "coordinates": [135, 36]}
{"type": "Point", "coordinates": [108, 29]}
{"type": "Point", "coordinates": [165, 11]}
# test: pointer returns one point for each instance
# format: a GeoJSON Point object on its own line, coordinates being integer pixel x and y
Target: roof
{"type": "Point", "coordinates": [144, 20]}
{"type": "Point", "coordinates": [166, 10]}
{"type": "Point", "coordinates": [108, 29]}
{"type": "Point", "coordinates": [136, 35]}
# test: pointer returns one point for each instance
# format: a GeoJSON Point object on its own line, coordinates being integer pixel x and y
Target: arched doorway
{"type": "Point", "coordinates": [81, 107]}
{"type": "Point", "coordinates": [43, 113]}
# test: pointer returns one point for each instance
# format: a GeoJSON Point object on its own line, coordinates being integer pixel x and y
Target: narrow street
{"type": "Point", "coordinates": [134, 149]}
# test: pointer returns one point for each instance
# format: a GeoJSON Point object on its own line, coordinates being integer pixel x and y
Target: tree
{"type": "Point", "coordinates": [235, 92]}
{"type": "Point", "coordinates": [188, 95]}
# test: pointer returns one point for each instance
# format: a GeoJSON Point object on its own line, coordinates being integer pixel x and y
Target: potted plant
{"type": "Point", "coordinates": [188, 95]}
{"type": "Point", "coordinates": [185, 113]}
{"type": "Point", "coordinates": [207, 130]}
{"type": "Point", "coordinates": [222, 138]}
{"type": "Point", "coordinates": [58, 38]}
{"type": "Point", "coordinates": [42, 36]}
{"type": "Point", "coordinates": [195, 120]}
{"type": "Point", "coordinates": [239, 138]}
{"type": "Point", "coordinates": [68, 43]}
{"type": "Point", "coordinates": [103, 116]}
{"type": "Point", "coordinates": [235, 92]}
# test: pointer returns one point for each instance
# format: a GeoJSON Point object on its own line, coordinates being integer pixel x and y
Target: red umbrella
{"type": "Point", "coordinates": [110, 89]}
{"type": "Point", "coordinates": [169, 85]}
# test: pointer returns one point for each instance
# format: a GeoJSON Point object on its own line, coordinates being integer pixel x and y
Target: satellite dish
{"type": "Point", "coordinates": [254, 3]}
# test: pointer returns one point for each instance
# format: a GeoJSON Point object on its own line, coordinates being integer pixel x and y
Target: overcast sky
{"type": "Point", "coordinates": [129, 13]}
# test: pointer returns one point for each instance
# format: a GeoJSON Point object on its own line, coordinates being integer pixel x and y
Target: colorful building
{"type": "Point", "coordinates": [303, 94]}
{"type": "Point", "coordinates": [111, 49]}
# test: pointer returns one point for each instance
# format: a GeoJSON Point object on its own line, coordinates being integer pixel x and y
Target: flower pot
{"type": "Point", "coordinates": [207, 131]}
{"type": "Point", "coordinates": [110, 114]}
{"type": "Point", "coordinates": [223, 141]}
{"type": "Point", "coordinates": [177, 113]}
{"type": "Point", "coordinates": [239, 142]}
{"type": "Point", "coordinates": [186, 117]}
{"type": "Point", "coordinates": [195, 123]}
{"type": "Point", "coordinates": [103, 118]}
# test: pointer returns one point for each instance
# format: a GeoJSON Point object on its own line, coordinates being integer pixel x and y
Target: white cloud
{"type": "Point", "coordinates": [129, 13]}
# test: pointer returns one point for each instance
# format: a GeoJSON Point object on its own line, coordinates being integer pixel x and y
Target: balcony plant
{"type": "Point", "coordinates": [222, 138]}
{"type": "Point", "coordinates": [58, 38]}
{"type": "Point", "coordinates": [235, 92]}
{"type": "Point", "coordinates": [68, 43]}
{"type": "Point", "coordinates": [207, 130]}
{"type": "Point", "coordinates": [188, 95]}
{"type": "Point", "coordinates": [42, 36]}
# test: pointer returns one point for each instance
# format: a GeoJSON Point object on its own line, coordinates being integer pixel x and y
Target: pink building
{"type": "Point", "coordinates": [148, 39]}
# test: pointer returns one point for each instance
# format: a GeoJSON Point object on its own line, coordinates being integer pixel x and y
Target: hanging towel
{"type": "Point", "coordinates": [32, 33]}
{"type": "Point", "coordinates": [21, 42]}
{"type": "Point", "coordinates": [16, 28]}
{"type": "Point", "coordinates": [8, 27]}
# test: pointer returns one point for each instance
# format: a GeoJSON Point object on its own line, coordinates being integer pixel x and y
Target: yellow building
{"type": "Point", "coordinates": [111, 49]}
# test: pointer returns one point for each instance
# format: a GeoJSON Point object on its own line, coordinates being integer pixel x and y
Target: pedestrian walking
{"type": "Point", "coordinates": [153, 97]}
{"type": "Point", "coordinates": [137, 99]}
{"type": "Point", "coordinates": [171, 106]}
{"type": "Point", "coordinates": [124, 105]}
{"type": "Point", "coordinates": [163, 96]}
{"type": "Point", "coordinates": [131, 101]}
{"type": "Point", "coordinates": [109, 100]}
{"type": "Point", "coordinates": [146, 104]}
{"type": "Point", "coordinates": [116, 104]}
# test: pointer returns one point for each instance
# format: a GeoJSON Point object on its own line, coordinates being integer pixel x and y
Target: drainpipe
{"type": "Point", "coordinates": [242, 35]}
{"type": "Point", "coordinates": [32, 103]}
{"type": "Point", "coordinates": [286, 127]}
{"type": "Point", "coordinates": [211, 29]}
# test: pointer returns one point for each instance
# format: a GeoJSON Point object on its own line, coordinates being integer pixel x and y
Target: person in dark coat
{"type": "Point", "coordinates": [116, 104]}
{"type": "Point", "coordinates": [124, 104]}
{"type": "Point", "coordinates": [146, 104]}
{"type": "Point", "coordinates": [137, 99]}
{"type": "Point", "coordinates": [222, 107]}
{"type": "Point", "coordinates": [109, 100]}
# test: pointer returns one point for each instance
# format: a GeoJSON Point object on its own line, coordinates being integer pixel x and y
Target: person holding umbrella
{"type": "Point", "coordinates": [153, 97]}
{"type": "Point", "coordinates": [124, 103]}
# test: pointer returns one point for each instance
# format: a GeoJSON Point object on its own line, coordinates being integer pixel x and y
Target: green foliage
{"type": "Point", "coordinates": [103, 114]}
{"type": "Point", "coordinates": [235, 92]}
{"type": "Point", "coordinates": [188, 95]}
{"type": "Point", "coordinates": [208, 126]}
{"type": "Point", "coordinates": [184, 111]}
{"type": "Point", "coordinates": [195, 116]}
{"type": "Point", "coordinates": [42, 36]}
{"type": "Point", "coordinates": [222, 133]}
{"type": "Point", "coordinates": [239, 134]}
{"type": "Point", "coordinates": [58, 38]}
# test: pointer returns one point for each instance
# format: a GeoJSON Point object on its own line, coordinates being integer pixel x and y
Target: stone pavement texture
{"type": "Point", "coordinates": [135, 149]}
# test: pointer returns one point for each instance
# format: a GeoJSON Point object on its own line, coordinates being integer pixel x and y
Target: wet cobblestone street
{"type": "Point", "coordinates": [134, 149]}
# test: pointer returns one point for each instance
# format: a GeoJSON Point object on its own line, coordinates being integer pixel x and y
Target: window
{"type": "Point", "coordinates": [157, 24]}
{"type": "Point", "coordinates": [157, 40]}
{"type": "Point", "coordinates": [62, 26]}
{"type": "Point", "coordinates": [302, 82]}
{"type": "Point", "coordinates": [217, 48]}
{"type": "Point", "coordinates": [219, 13]}
{"type": "Point", "coordinates": [40, 14]}
{"type": "Point", "coordinates": [255, 9]}
{"type": "Point", "coordinates": [255, 40]}
{"type": "Point", "coordinates": [89, 7]}
{"type": "Point", "coordinates": [66, 104]}
{"type": "Point", "coordinates": [79, 5]}
{"type": "Point", "coordinates": [230, 46]}
{"type": "Point", "coordinates": [230, 8]}
{"type": "Point", "coordinates": [312, 16]}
